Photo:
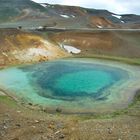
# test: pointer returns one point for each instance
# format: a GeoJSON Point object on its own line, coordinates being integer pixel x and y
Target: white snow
{"type": "Point", "coordinates": [72, 16]}
{"type": "Point", "coordinates": [117, 16]}
{"type": "Point", "coordinates": [68, 16]}
{"type": "Point", "coordinates": [71, 49]}
{"type": "Point", "coordinates": [122, 21]}
{"type": "Point", "coordinates": [40, 27]}
{"type": "Point", "coordinates": [99, 26]}
{"type": "Point", "coordinates": [47, 5]}
{"type": "Point", "coordinates": [65, 16]}
{"type": "Point", "coordinates": [44, 5]}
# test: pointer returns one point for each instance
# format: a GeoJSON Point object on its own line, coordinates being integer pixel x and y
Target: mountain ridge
{"type": "Point", "coordinates": [30, 14]}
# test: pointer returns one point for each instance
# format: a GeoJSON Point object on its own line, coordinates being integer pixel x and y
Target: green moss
{"type": "Point", "coordinates": [136, 100]}
{"type": "Point", "coordinates": [8, 101]}
{"type": "Point", "coordinates": [132, 106]}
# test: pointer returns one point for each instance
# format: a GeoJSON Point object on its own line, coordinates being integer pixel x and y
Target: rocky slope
{"type": "Point", "coordinates": [18, 46]}
{"type": "Point", "coordinates": [29, 14]}
{"type": "Point", "coordinates": [124, 44]}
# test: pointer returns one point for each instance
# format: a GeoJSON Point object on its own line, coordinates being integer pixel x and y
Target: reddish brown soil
{"type": "Point", "coordinates": [16, 44]}
{"type": "Point", "coordinates": [20, 123]}
{"type": "Point", "coordinates": [110, 43]}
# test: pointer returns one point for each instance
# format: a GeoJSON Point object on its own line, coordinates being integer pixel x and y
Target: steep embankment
{"type": "Point", "coordinates": [104, 43]}
{"type": "Point", "coordinates": [17, 46]}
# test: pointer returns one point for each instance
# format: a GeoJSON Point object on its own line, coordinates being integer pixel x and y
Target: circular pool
{"type": "Point", "coordinates": [72, 85]}
{"type": "Point", "coordinates": [64, 80]}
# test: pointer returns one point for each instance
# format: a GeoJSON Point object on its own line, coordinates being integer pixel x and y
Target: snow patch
{"type": "Point", "coordinates": [117, 16]}
{"type": "Point", "coordinates": [44, 5]}
{"type": "Point", "coordinates": [71, 49]}
{"type": "Point", "coordinates": [99, 26]}
{"type": "Point", "coordinates": [40, 27]}
{"type": "Point", "coordinates": [65, 16]}
{"type": "Point", "coordinates": [122, 21]}
{"type": "Point", "coordinates": [72, 16]}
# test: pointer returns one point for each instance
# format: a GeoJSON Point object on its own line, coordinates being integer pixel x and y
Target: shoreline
{"type": "Point", "coordinates": [6, 94]}
{"type": "Point", "coordinates": [129, 61]}
{"type": "Point", "coordinates": [131, 101]}
{"type": "Point", "coordinates": [93, 115]}
{"type": "Point", "coordinates": [26, 121]}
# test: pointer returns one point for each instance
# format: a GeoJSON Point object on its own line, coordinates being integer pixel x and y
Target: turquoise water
{"type": "Point", "coordinates": [89, 81]}
{"type": "Point", "coordinates": [62, 83]}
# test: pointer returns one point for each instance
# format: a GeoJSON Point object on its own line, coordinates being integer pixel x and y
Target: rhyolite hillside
{"type": "Point", "coordinates": [26, 13]}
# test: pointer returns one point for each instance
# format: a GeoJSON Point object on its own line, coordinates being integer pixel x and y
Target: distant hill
{"type": "Point", "coordinates": [26, 13]}
{"type": "Point", "coordinates": [12, 9]}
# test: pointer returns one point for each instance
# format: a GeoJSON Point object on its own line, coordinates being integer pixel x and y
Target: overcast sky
{"type": "Point", "coordinates": [116, 6]}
